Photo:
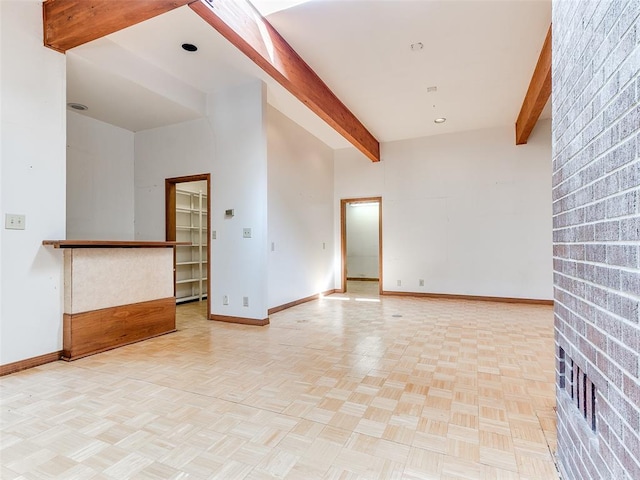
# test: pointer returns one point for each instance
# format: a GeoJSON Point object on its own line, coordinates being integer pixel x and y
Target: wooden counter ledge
{"type": "Point", "coordinates": [110, 244]}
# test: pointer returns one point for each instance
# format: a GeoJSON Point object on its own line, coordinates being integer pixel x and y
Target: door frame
{"type": "Point", "coordinates": [170, 222]}
{"type": "Point", "coordinates": [343, 237]}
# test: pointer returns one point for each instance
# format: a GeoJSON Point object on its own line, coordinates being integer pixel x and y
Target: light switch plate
{"type": "Point", "coordinates": [14, 222]}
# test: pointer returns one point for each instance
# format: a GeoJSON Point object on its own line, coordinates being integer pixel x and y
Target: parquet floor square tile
{"type": "Point", "coordinates": [391, 388]}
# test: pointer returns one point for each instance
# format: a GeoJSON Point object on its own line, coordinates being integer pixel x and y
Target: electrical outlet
{"type": "Point", "coordinates": [245, 301]}
{"type": "Point", "coordinates": [214, 235]}
{"type": "Point", "coordinates": [399, 283]}
{"type": "Point", "coordinates": [14, 222]}
{"type": "Point", "coordinates": [246, 233]}
{"type": "Point", "coordinates": [273, 246]}
{"type": "Point", "coordinates": [324, 246]}
{"type": "Point", "coordinates": [225, 299]}
{"type": "Point", "coordinates": [421, 282]}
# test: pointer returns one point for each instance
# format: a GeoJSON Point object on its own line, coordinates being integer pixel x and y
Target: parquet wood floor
{"type": "Point", "coordinates": [351, 388]}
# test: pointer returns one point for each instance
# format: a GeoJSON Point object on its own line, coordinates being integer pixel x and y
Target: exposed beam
{"type": "Point", "coordinates": [537, 94]}
{"type": "Point", "coordinates": [245, 28]}
{"type": "Point", "coordinates": [69, 23]}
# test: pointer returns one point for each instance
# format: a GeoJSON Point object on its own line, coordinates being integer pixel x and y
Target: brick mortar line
{"type": "Point", "coordinates": [584, 147]}
{"type": "Point", "coordinates": [567, 95]}
{"type": "Point", "coordinates": [587, 282]}
{"type": "Point", "coordinates": [630, 216]}
{"type": "Point", "coordinates": [596, 159]}
{"type": "Point", "coordinates": [597, 264]}
{"type": "Point", "coordinates": [616, 316]}
{"type": "Point", "coordinates": [596, 202]}
{"type": "Point", "coordinates": [601, 110]}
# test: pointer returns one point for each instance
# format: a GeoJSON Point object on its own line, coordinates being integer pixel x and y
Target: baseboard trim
{"type": "Point", "coordinates": [479, 298]}
{"type": "Point", "coordinates": [279, 308]}
{"type": "Point", "coordinates": [27, 363]}
{"type": "Point", "coordinates": [362, 279]}
{"type": "Point", "coordinates": [241, 320]}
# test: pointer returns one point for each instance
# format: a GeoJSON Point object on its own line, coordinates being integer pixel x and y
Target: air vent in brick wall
{"type": "Point", "coordinates": [581, 390]}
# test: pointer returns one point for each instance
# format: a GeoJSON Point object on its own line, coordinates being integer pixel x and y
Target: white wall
{"type": "Point", "coordinates": [231, 145]}
{"type": "Point", "coordinates": [470, 213]}
{"type": "Point", "coordinates": [99, 180]}
{"type": "Point", "coordinates": [186, 148]}
{"type": "Point", "coordinates": [32, 183]}
{"type": "Point", "coordinates": [300, 212]}
{"type": "Point", "coordinates": [363, 246]}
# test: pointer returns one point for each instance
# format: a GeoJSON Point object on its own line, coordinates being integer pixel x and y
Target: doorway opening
{"type": "Point", "coordinates": [361, 244]}
{"type": "Point", "coordinates": [188, 219]}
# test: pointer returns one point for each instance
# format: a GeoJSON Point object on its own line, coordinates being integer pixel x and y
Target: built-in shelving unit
{"type": "Point", "coordinates": [191, 260]}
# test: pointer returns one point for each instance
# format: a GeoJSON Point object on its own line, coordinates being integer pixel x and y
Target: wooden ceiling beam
{"type": "Point", "coordinates": [537, 95]}
{"type": "Point", "coordinates": [244, 27]}
{"type": "Point", "coordinates": [70, 23]}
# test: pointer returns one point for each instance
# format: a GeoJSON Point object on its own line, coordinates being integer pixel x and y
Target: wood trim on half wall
{"type": "Point", "coordinates": [27, 363]}
{"type": "Point", "coordinates": [479, 298]}
{"type": "Point", "coordinates": [240, 320]}
{"type": "Point", "coordinates": [343, 238]}
{"type": "Point", "coordinates": [284, 306]}
{"type": "Point", "coordinates": [96, 331]}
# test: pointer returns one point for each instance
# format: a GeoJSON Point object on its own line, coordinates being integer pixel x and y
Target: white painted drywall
{"type": "Point", "coordinates": [231, 145]}
{"type": "Point", "coordinates": [32, 183]}
{"type": "Point", "coordinates": [363, 246]}
{"type": "Point", "coordinates": [470, 213]}
{"type": "Point", "coordinates": [99, 180]}
{"type": "Point", "coordinates": [300, 212]}
{"type": "Point", "coordinates": [239, 265]}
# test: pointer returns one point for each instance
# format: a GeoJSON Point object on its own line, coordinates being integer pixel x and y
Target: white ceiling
{"type": "Point", "coordinates": [480, 54]}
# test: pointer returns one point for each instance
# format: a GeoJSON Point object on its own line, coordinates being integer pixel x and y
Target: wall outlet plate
{"type": "Point", "coordinates": [245, 301]}
{"type": "Point", "coordinates": [246, 233]}
{"type": "Point", "coordinates": [225, 299]}
{"type": "Point", "coordinates": [14, 222]}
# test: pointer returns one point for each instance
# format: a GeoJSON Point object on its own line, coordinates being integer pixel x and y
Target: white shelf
{"type": "Point", "coordinates": [191, 228]}
{"type": "Point", "coordinates": [192, 297]}
{"type": "Point", "coordinates": [189, 280]}
{"type": "Point", "coordinates": [190, 210]}
{"type": "Point", "coordinates": [191, 224]}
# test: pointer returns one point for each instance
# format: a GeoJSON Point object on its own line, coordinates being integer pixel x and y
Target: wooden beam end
{"type": "Point", "coordinates": [537, 95]}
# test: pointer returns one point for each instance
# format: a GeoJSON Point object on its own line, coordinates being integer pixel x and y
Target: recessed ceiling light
{"type": "Point", "coordinates": [417, 46]}
{"type": "Point", "coordinates": [440, 120]}
{"type": "Point", "coordinates": [77, 106]}
{"type": "Point", "coordinates": [189, 47]}
{"type": "Point", "coordinates": [432, 89]}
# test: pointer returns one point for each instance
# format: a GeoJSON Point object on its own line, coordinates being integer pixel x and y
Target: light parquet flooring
{"type": "Point", "coordinates": [391, 388]}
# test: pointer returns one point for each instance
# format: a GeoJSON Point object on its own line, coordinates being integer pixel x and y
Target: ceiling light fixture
{"type": "Point", "coordinates": [417, 46]}
{"type": "Point", "coordinates": [189, 47]}
{"type": "Point", "coordinates": [432, 89]}
{"type": "Point", "coordinates": [440, 120]}
{"type": "Point", "coordinates": [77, 106]}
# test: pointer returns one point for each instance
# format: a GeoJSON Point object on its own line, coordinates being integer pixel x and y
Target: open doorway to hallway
{"type": "Point", "coordinates": [361, 241]}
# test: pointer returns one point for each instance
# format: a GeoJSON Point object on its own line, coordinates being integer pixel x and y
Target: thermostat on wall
{"type": "Point", "coordinates": [228, 213]}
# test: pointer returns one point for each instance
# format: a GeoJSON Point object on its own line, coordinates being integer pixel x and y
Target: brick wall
{"type": "Point", "coordinates": [596, 218]}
